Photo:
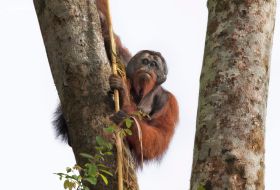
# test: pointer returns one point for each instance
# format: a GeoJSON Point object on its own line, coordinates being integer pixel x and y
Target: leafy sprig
{"type": "Point", "coordinates": [77, 177]}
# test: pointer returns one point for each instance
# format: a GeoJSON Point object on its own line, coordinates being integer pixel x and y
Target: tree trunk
{"type": "Point", "coordinates": [229, 142]}
{"type": "Point", "coordinates": [80, 68]}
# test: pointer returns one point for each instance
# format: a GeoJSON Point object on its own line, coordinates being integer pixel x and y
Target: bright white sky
{"type": "Point", "coordinates": [29, 152]}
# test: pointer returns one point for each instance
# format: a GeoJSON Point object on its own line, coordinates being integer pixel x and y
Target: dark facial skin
{"type": "Point", "coordinates": [148, 62]}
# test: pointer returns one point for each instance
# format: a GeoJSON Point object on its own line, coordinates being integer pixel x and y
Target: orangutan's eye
{"type": "Point", "coordinates": [145, 61]}
{"type": "Point", "coordinates": [154, 64]}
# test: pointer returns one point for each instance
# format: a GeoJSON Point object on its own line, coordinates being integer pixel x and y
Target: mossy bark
{"type": "Point", "coordinates": [229, 142]}
{"type": "Point", "coordinates": [80, 68]}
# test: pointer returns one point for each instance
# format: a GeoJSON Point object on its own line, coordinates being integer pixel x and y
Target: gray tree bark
{"type": "Point", "coordinates": [229, 142]}
{"type": "Point", "coordinates": [80, 68]}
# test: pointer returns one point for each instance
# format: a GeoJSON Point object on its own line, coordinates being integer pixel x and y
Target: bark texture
{"type": "Point", "coordinates": [80, 69]}
{"type": "Point", "coordinates": [229, 142]}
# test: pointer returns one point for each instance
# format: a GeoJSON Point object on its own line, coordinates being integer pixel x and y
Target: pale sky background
{"type": "Point", "coordinates": [30, 154]}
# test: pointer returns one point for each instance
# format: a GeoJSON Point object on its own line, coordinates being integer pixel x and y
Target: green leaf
{"type": "Point", "coordinates": [103, 143]}
{"type": "Point", "coordinates": [98, 157]}
{"type": "Point", "coordinates": [110, 129]}
{"type": "Point", "coordinates": [99, 148]}
{"type": "Point", "coordinates": [76, 177]}
{"type": "Point", "coordinates": [92, 170]}
{"type": "Point", "coordinates": [66, 184]}
{"type": "Point", "coordinates": [109, 146]}
{"type": "Point", "coordinates": [102, 165]}
{"type": "Point", "coordinates": [61, 175]}
{"type": "Point", "coordinates": [79, 178]}
{"type": "Point", "coordinates": [68, 176]}
{"type": "Point", "coordinates": [128, 131]}
{"type": "Point", "coordinates": [100, 141]}
{"type": "Point", "coordinates": [104, 179]}
{"type": "Point", "coordinates": [68, 169]}
{"type": "Point", "coordinates": [77, 167]}
{"type": "Point", "coordinates": [122, 133]}
{"type": "Point", "coordinates": [72, 185]}
{"type": "Point", "coordinates": [91, 180]}
{"type": "Point", "coordinates": [69, 185]}
{"type": "Point", "coordinates": [106, 172]}
{"type": "Point", "coordinates": [128, 122]}
{"type": "Point", "coordinates": [85, 155]}
{"type": "Point", "coordinates": [138, 114]}
{"type": "Point", "coordinates": [109, 153]}
{"type": "Point", "coordinates": [201, 187]}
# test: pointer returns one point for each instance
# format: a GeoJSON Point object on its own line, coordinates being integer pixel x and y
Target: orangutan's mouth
{"type": "Point", "coordinates": [144, 76]}
{"type": "Point", "coordinates": [143, 79]}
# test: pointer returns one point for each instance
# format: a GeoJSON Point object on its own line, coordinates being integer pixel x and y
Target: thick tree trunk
{"type": "Point", "coordinates": [229, 142]}
{"type": "Point", "coordinates": [80, 68]}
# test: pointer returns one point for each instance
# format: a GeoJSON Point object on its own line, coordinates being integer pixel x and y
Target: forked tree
{"type": "Point", "coordinates": [229, 142]}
